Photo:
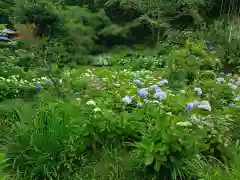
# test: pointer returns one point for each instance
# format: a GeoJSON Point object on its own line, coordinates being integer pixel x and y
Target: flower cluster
{"type": "Point", "coordinates": [102, 61]}
{"type": "Point", "coordinates": [152, 94]}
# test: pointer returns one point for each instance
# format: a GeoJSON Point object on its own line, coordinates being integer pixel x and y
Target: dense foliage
{"type": "Point", "coordinates": [118, 90]}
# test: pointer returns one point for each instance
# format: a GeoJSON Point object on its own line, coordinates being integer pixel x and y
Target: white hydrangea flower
{"type": "Point", "coordinates": [91, 103]}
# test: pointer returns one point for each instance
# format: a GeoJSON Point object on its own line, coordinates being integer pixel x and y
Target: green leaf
{"type": "Point", "coordinates": [148, 160]}
{"type": "Point", "coordinates": [157, 165]}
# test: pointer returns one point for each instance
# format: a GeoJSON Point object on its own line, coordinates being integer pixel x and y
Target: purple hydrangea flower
{"type": "Point", "coordinates": [142, 93]}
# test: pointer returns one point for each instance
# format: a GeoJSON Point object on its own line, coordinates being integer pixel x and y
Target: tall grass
{"type": "Point", "coordinates": [43, 145]}
{"type": "Point", "coordinates": [209, 168]}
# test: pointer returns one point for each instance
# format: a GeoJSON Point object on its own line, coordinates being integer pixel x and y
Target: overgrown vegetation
{"type": "Point", "coordinates": [120, 90]}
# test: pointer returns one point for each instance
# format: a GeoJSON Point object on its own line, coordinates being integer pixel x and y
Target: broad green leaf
{"type": "Point", "coordinates": [148, 160]}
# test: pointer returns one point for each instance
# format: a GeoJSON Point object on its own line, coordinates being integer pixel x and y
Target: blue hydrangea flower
{"type": "Point", "coordinates": [139, 104]}
{"type": "Point", "coordinates": [105, 63]}
{"type": "Point", "coordinates": [142, 93]}
{"type": "Point", "coordinates": [131, 97]}
{"type": "Point", "coordinates": [163, 82]}
{"type": "Point", "coordinates": [160, 95]}
{"type": "Point", "coordinates": [158, 90]}
{"type": "Point", "coordinates": [127, 100]}
{"type": "Point", "coordinates": [198, 104]}
{"type": "Point", "coordinates": [234, 105]}
{"type": "Point", "coordinates": [137, 82]}
{"type": "Point", "coordinates": [237, 98]}
{"type": "Point", "coordinates": [153, 87]}
{"type": "Point", "coordinates": [238, 82]}
{"type": "Point", "coordinates": [38, 86]}
{"type": "Point", "coordinates": [146, 101]}
{"type": "Point", "coordinates": [233, 86]}
{"type": "Point", "coordinates": [190, 106]}
{"type": "Point", "coordinates": [198, 91]}
{"type": "Point", "coordinates": [220, 80]}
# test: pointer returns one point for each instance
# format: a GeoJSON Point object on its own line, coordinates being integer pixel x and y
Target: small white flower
{"type": "Point", "coordinates": [183, 91]}
{"type": "Point", "coordinates": [116, 84]}
{"type": "Point", "coordinates": [97, 109]}
{"type": "Point", "coordinates": [43, 78]}
{"type": "Point", "coordinates": [86, 74]}
{"type": "Point", "coordinates": [91, 102]}
{"type": "Point", "coordinates": [78, 99]}
{"type": "Point", "coordinates": [8, 80]}
{"type": "Point", "coordinates": [204, 105]}
{"type": "Point", "coordinates": [184, 124]}
{"type": "Point", "coordinates": [89, 71]}
{"type": "Point", "coordinates": [220, 80]}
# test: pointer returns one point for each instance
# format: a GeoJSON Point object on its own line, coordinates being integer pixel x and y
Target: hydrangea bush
{"type": "Point", "coordinates": [160, 118]}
